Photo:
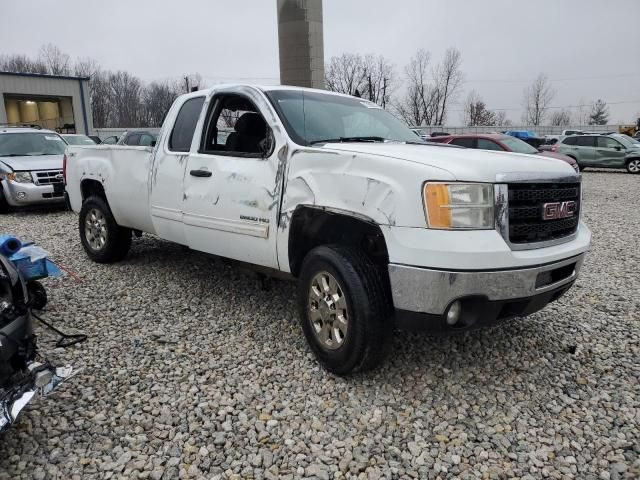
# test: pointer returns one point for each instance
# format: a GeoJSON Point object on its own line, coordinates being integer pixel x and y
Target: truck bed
{"type": "Point", "coordinates": [123, 172]}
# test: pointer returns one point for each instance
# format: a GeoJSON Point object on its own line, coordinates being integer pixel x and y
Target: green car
{"type": "Point", "coordinates": [602, 151]}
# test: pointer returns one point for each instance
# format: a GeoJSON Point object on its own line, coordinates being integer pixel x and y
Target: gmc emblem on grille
{"type": "Point", "coordinates": [558, 210]}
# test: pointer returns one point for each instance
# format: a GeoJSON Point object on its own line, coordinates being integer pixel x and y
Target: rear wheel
{"type": "Point", "coordinates": [633, 165]}
{"type": "Point", "coordinates": [345, 308]}
{"type": "Point", "coordinates": [102, 238]}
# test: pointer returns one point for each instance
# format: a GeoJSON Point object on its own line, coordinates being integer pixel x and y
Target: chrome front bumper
{"type": "Point", "coordinates": [424, 290]}
{"type": "Point", "coordinates": [23, 194]}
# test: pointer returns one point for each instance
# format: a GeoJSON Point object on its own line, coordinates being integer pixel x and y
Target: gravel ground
{"type": "Point", "coordinates": [192, 370]}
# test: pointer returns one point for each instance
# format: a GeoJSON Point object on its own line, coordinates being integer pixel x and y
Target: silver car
{"type": "Point", "coordinates": [30, 167]}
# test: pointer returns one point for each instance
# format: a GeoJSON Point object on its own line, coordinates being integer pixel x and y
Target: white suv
{"type": "Point", "coordinates": [30, 167]}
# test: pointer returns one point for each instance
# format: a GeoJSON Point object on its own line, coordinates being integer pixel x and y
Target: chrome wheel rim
{"type": "Point", "coordinates": [634, 166]}
{"type": "Point", "coordinates": [95, 229]}
{"type": "Point", "coordinates": [328, 312]}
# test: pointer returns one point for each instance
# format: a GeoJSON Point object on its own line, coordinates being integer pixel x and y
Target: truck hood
{"type": "Point", "coordinates": [465, 164]}
{"type": "Point", "coordinates": [33, 162]}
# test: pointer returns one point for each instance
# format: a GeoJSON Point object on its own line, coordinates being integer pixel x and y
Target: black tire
{"type": "Point", "coordinates": [118, 239]}
{"type": "Point", "coordinates": [633, 166]}
{"type": "Point", "coordinates": [365, 287]}
{"type": "Point", "coordinates": [37, 295]}
{"type": "Point", "coordinates": [4, 205]}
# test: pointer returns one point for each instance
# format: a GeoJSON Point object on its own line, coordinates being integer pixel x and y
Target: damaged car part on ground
{"type": "Point", "coordinates": [24, 373]}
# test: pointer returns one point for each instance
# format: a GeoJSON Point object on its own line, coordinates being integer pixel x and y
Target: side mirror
{"type": "Point", "coordinates": [267, 144]}
{"type": "Point", "coordinates": [618, 148]}
{"type": "Point", "coordinates": [153, 143]}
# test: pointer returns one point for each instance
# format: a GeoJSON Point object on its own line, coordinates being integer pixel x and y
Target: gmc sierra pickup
{"type": "Point", "coordinates": [381, 230]}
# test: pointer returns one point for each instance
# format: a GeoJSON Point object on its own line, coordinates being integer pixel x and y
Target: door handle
{"type": "Point", "coordinates": [200, 173]}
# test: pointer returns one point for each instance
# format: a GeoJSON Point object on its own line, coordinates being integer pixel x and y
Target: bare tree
{"type": "Point", "coordinates": [537, 98]}
{"type": "Point", "coordinates": [21, 64]}
{"type": "Point", "coordinates": [476, 113]}
{"type": "Point", "coordinates": [378, 79]}
{"type": "Point", "coordinates": [448, 80]}
{"type": "Point", "coordinates": [156, 102]}
{"type": "Point", "coordinates": [345, 74]}
{"type": "Point", "coordinates": [57, 62]}
{"type": "Point", "coordinates": [599, 113]}
{"type": "Point", "coordinates": [560, 118]}
{"type": "Point", "coordinates": [417, 105]}
{"type": "Point", "coordinates": [125, 92]}
{"type": "Point", "coordinates": [501, 120]}
{"type": "Point", "coordinates": [428, 97]}
{"type": "Point", "coordinates": [368, 76]}
{"type": "Point", "coordinates": [583, 112]}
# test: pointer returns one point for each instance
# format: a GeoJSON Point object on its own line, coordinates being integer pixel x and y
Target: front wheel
{"type": "Point", "coordinates": [633, 165]}
{"type": "Point", "coordinates": [102, 238]}
{"type": "Point", "coordinates": [345, 308]}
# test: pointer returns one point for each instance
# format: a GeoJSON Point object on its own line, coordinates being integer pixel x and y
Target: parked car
{"type": "Point", "coordinates": [30, 167]}
{"type": "Point", "coordinates": [77, 139]}
{"type": "Point", "coordinates": [423, 134]}
{"type": "Point", "coordinates": [112, 140]}
{"type": "Point", "coordinates": [501, 142]}
{"type": "Point", "coordinates": [380, 229]}
{"type": "Point", "coordinates": [136, 138]}
{"type": "Point", "coordinates": [601, 151]}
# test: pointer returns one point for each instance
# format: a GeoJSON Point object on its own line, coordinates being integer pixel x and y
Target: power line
{"type": "Point", "coordinates": [554, 80]}
{"type": "Point", "coordinates": [557, 106]}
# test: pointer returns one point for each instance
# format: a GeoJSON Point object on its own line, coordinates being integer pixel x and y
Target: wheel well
{"type": "Point", "coordinates": [312, 227]}
{"type": "Point", "coordinates": [631, 158]}
{"type": "Point", "coordinates": [92, 188]}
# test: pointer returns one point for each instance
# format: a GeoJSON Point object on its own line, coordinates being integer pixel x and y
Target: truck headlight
{"type": "Point", "coordinates": [20, 177]}
{"type": "Point", "coordinates": [465, 206]}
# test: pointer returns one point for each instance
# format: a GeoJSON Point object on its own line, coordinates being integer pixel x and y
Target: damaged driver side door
{"type": "Point", "coordinates": [231, 184]}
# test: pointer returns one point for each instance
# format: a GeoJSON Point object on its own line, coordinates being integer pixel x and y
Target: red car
{"type": "Point", "coordinates": [501, 143]}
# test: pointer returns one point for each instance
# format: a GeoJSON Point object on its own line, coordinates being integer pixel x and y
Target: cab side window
{"type": "Point", "coordinates": [464, 142]}
{"type": "Point", "coordinates": [235, 127]}
{"type": "Point", "coordinates": [585, 141]}
{"type": "Point", "coordinates": [606, 142]}
{"type": "Point", "coordinates": [185, 125]}
{"type": "Point", "coordinates": [570, 141]}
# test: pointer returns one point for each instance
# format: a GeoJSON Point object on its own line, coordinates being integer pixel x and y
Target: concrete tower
{"type": "Point", "coordinates": [301, 43]}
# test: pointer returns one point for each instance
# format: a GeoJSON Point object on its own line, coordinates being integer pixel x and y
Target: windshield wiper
{"type": "Point", "coordinates": [349, 139]}
{"type": "Point", "coordinates": [13, 155]}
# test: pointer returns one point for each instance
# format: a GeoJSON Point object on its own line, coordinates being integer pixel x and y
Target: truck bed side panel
{"type": "Point", "coordinates": [123, 172]}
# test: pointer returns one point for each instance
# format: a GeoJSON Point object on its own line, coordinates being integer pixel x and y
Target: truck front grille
{"type": "Point", "coordinates": [49, 177]}
{"type": "Point", "coordinates": [526, 207]}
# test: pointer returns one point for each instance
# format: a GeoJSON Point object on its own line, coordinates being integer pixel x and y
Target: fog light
{"type": "Point", "coordinates": [21, 195]}
{"type": "Point", "coordinates": [453, 314]}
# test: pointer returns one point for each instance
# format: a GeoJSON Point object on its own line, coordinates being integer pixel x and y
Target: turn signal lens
{"type": "Point", "coordinates": [459, 205]}
{"type": "Point", "coordinates": [436, 197]}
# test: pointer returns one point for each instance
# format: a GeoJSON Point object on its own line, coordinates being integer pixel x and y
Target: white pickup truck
{"type": "Point", "coordinates": [381, 230]}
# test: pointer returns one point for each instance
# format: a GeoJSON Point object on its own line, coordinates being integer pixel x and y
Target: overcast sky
{"type": "Point", "coordinates": [588, 48]}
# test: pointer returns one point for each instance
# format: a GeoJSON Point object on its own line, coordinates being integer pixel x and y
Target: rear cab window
{"type": "Point", "coordinates": [185, 125]}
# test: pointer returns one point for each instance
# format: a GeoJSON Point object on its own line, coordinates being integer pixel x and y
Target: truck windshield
{"type": "Point", "coordinates": [312, 117]}
{"type": "Point", "coordinates": [31, 144]}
